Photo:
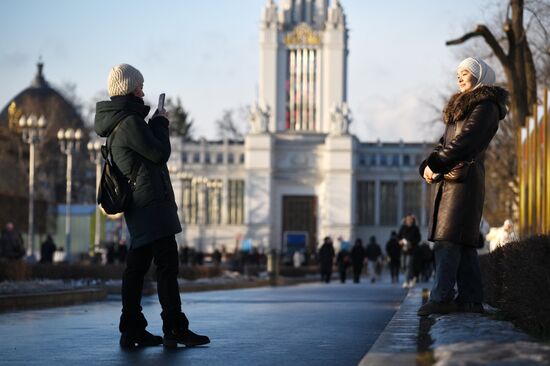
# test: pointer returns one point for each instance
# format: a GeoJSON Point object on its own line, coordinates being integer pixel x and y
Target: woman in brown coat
{"type": "Point", "coordinates": [456, 166]}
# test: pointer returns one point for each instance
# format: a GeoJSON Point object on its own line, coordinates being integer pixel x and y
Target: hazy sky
{"type": "Point", "coordinates": [206, 52]}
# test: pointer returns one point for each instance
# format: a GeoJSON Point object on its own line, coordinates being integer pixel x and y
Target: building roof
{"type": "Point", "coordinates": [40, 99]}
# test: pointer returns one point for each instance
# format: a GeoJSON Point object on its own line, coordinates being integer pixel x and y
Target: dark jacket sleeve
{"type": "Point", "coordinates": [424, 163]}
{"type": "Point", "coordinates": [148, 141]}
{"type": "Point", "coordinates": [464, 146]}
{"type": "Point", "coordinates": [159, 126]}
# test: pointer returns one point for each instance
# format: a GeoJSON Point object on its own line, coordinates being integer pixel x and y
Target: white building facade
{"type": "Point", "coordinates": [298, 169]}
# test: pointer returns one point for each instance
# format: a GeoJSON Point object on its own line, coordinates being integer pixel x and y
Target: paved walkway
{"type": "Point", "coordinates": [313, 324]}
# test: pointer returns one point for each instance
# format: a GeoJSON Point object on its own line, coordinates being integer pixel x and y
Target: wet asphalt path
{"type": "Point", "coordinates": [313, 324]}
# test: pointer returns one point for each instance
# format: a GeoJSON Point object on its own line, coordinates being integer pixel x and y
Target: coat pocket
{"type": "Point", "coordinates": [459, 173]}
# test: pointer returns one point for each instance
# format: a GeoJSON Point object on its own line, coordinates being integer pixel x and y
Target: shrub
{"type": "Point", "coordinates": [516, 279]}
{"type": "Point", "coordinates": [14, 270]}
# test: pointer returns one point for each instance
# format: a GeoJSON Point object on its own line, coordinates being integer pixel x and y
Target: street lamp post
{"type": "Point", "coordinates": [69, 141]}
{"type": "Point", "coordinates": [94, 149]}
{"type": "Point", "coordinates": [32, 131]}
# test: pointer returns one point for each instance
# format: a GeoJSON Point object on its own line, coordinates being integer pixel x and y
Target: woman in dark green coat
{"type": "Point", "coordinates": [152, 217]}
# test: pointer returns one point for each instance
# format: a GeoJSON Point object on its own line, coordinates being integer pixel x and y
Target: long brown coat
{"type": "Point", "coordinates": [457, 207]}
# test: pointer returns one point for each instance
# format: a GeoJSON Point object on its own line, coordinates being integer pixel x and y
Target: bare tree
{"type": "Point", "coordinates": [522, 51]}
{"type": "Point", "coordinates": [229, 127]}
{"type": "Point", "coordinates": [517, 63]}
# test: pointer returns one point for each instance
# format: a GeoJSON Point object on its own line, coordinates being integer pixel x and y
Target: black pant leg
{"type": "Point", "coordinates": [138, 261]}
{"type": "Point", "coordinates": [166, 260]}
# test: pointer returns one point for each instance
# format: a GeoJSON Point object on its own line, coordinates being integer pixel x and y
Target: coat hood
{"type": "Point", "coordinates": [461, 104]}
{"type": "Point", "coordinates": [109, 113]}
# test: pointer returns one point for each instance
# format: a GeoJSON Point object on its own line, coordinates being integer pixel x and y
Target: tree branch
{"type": "Point", "coordinates": [483, 31]}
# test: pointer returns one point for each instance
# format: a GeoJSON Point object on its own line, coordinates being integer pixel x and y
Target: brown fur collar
{"type": "Point", "coordinates": [461, 104]}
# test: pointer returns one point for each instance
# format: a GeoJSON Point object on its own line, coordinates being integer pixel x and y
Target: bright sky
{"type": "Point", "coordinates": [206, 52]}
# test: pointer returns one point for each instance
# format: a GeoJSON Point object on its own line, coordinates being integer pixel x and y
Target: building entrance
{"type": "Point", "coordinates": [300, 215]}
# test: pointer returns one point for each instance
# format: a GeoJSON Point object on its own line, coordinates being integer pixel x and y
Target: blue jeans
{"type": "Point", "coordinates": [456, 264]}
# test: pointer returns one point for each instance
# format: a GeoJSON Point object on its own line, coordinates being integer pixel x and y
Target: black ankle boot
{"type": "Point", "coordinates": [130, 340]}
{"type": "Point", "coordinates": [185, 337]}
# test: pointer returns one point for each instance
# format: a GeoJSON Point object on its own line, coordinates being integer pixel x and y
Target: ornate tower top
{"type": "Point", "coordinates": [316, 13]}
{"type": "Point", "coordinates": [303, 67]}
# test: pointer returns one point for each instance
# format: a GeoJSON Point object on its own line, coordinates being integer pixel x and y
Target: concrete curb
{"type": "Point", "coordinates": [50, 299]}
{"type": "Point", "coordinates": [397, 344]}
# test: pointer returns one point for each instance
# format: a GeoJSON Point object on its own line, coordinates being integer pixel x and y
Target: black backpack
{"type": "Point", "coordinates": [115, 189]}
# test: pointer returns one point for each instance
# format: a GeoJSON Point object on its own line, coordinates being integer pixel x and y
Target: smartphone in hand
{"type": "Point", "coordinates": [160, 106]}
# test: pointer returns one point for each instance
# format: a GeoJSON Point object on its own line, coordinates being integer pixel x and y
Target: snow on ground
{"type": "Point", "coordinates": [36, 286]}
{"type": "Point", "coordinates": [474, 339]}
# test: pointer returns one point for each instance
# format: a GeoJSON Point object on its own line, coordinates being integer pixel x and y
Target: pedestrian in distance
{"type": "Point", "coordinates": [217, 257]}
{"type": "Point", "coordinates": [393, 250]}
{"type": "Point", "coordinates": [11, 243]}
{"type": "Point", "coordinates": [47, 250]}
{"type": "Point", "coordinates": [374, 254]}
{"type": "Point", "coordinates": [456, 167]}
{"type": "Point", "coordinates": [326, 259]}
{"type": "Point", "coordinates": [409, 237]}
{"type": "Point", "coordinates": [152, 217]}
{"type": "Point", "coordinates": [343, 261]}
{"type": "Point", "coordinates": [357, 259]}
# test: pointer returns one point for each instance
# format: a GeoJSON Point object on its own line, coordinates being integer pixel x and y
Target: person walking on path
{"type": "Point", "coordinates": [456, 166]}
{"type": "Point", "coordinates": [343, 260]}
{"type": "Point", "coordinates": [357, 259]}
{"type": "Point", "coordinates": [326, 258]}
{"type": "Point", "coordinates": [393, 250]}
{"type": "Point", "coordinates": [152, 217]}
{"type": "Point", "coordinates": [11, 243]}
{"type": "Point", "coordinates": [409, 237]}
{"type": "Point", "coordinates": [47, 250]}
{"type": "Point", "coordinates": [373, 254]}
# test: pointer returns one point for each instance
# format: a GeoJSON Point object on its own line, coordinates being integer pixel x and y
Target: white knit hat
{"type": "Point", "coordinates": [483, 73]}
{"type": "Point", "coordinates": [123, 80]}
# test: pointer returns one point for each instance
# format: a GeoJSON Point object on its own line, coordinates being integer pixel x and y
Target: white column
{"type": "Point", "coordinates": [269, 70]}
{"type": "Point", "coordinates": [259, 150]}
{"type": "Point", "coordinates": [299, 126]}
{"type": "Point", "coordinates": [334, 72]}
{"type": "Point", "coordinates": [339, 191]}
{"type": "Point", "coordinates": [292, 89]}
{"type": "Point", "coordinates": [311, 97]}
{"type": "Point", "coordinates": [305, 90]}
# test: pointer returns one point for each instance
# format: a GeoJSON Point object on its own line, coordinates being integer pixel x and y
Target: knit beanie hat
{"type": "Point", "coordinates": [483, 73]}
{"type": "Point", "coordinates": [123, 80]}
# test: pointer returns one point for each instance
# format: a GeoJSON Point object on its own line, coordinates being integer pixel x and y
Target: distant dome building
{"type": "Point", "coordinates": [39, 99]}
